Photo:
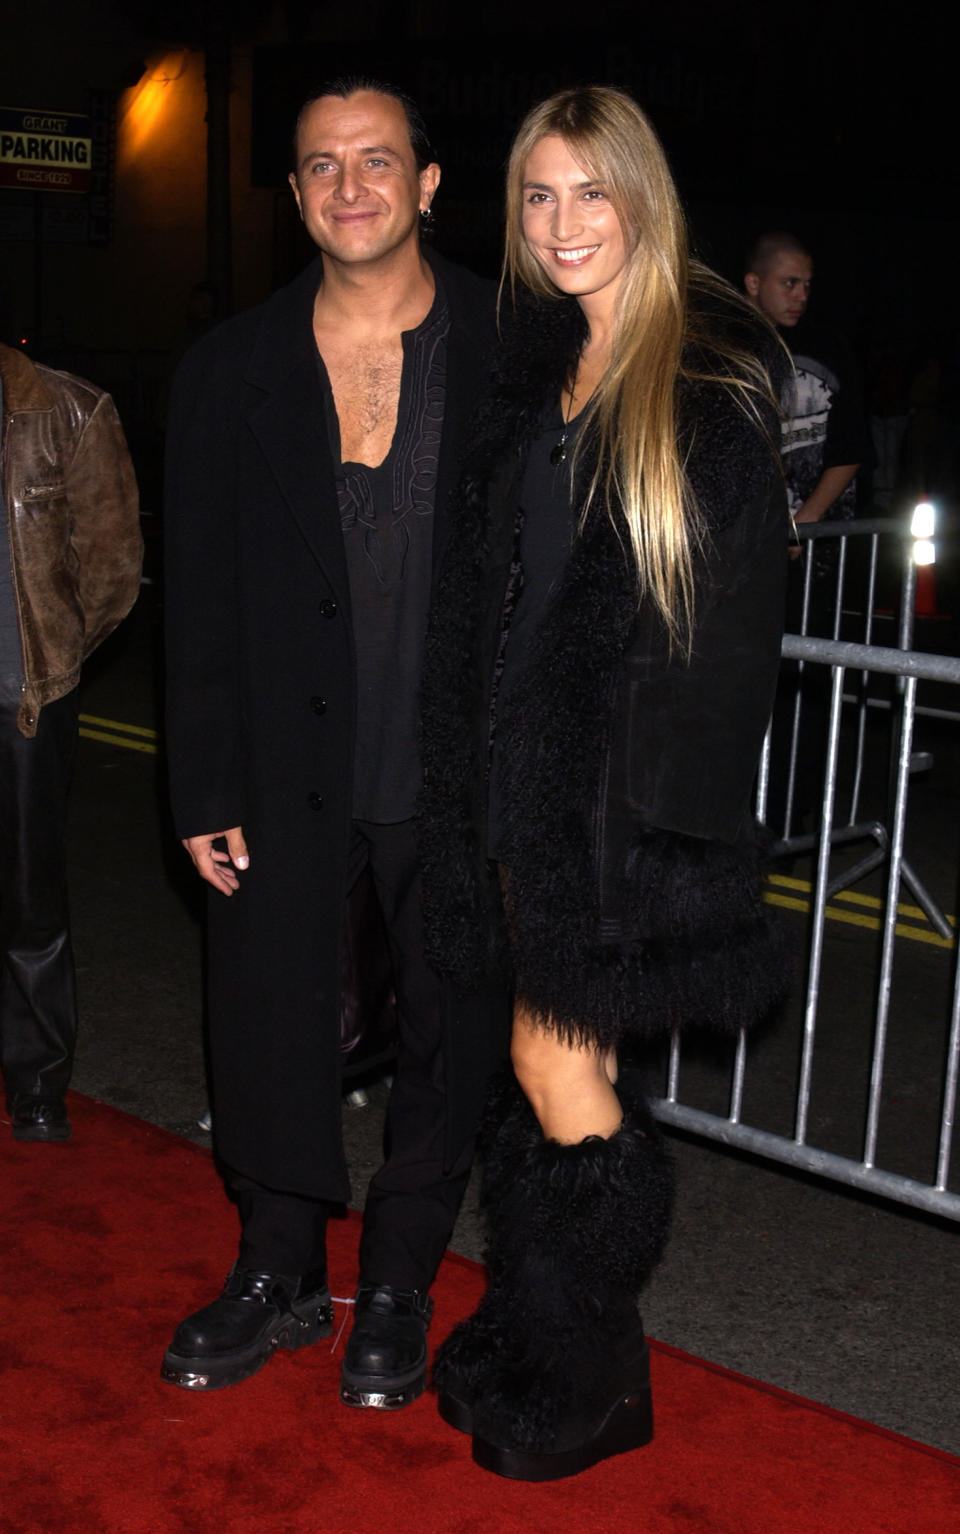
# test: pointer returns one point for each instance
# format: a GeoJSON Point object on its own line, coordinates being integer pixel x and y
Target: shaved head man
{"type": "Point", "coordinates": [778, 278]}
{"type": "Point", "coordinates": [824, 435]}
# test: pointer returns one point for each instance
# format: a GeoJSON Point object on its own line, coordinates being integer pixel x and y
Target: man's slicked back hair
{"type": "Point", "coordinates": [348, 85]}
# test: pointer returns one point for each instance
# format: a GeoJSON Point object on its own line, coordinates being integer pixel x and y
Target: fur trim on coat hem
{"type": "Point", "coordinates": [698, 948]}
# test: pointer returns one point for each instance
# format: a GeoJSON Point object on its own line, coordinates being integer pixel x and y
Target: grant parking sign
{"type": "Point", "coordinates": [44, 151]}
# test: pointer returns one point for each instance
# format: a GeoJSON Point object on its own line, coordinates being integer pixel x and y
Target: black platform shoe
{"type": "Point", "coordinates": [559, 1416]}
{"type": "Point", "coordinates": [385, 1364]}
{"type": "Point", "coordinates": [238, 1333]}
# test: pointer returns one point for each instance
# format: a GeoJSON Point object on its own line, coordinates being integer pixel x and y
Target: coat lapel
{"type": "Point", "coordinates": [463, 385]}
{"type": "Point", "coordinates": [289, 422]}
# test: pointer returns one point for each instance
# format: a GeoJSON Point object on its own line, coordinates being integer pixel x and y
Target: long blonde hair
{"type": "Point", "coordinates": [632, 416]}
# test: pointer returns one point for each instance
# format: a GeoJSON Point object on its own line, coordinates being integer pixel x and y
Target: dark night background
{"type": "Point", "coordinates": [833, 121]}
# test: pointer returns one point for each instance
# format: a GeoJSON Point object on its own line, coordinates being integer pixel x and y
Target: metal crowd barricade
{"type": "Point", "coordinates": [859, 622]}
{"type": "Point", "coordinates": [857, 669]}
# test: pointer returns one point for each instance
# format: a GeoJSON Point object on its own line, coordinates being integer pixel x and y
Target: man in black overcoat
{"type": "Point", "coordinates": [313, 444]}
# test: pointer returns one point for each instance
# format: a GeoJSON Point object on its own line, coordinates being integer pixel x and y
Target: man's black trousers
{"type": "Point", "coordinates": [412, 1201]}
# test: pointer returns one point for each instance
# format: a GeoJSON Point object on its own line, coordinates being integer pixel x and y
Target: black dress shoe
{"type": "Point", "coordinates": [38, 1118]}
{"type": "Point", "coordinates": [238, 1333]}
{"type": "Point", "coordinates": [385, 1364]}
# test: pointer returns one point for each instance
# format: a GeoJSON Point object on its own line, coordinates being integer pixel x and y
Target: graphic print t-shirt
{"type": "Point", "coordinates": [824, 423]}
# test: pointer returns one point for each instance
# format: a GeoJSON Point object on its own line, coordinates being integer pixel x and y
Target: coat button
{"type": "Point", "coordinates": [319, 705]}
{"type": "Point", "coordinates": [328, 608]}
{"type": "Point", "coordinates": [315, 800]}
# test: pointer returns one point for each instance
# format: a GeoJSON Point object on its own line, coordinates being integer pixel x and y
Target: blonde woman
{"type": "Point", "coordinates": [603, 655]}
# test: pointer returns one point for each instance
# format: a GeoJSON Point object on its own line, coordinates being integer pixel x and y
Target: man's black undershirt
{"type": "Point", "coordinates": [386, 514]}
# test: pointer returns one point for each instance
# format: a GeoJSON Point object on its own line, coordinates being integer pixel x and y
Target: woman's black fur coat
{"type": "Point", "coordinates": [634, 898]}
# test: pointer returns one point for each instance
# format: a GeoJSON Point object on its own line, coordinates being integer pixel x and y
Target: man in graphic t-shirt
{"type": "Point", "coordinates": [824, 444]}
{"type": "Point", "coordinates": [824, 431]}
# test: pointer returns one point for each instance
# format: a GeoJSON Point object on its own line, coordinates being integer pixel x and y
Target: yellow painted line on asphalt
{"type": "Point", "coordinates": [874, 903]}
{"type": "Point", "coordinates": [120, 740]}
{"type": "Point", "coordinates": [116, 724]}
{"type": "Point", "coordinates": [135, 737]}
{"type": "Point", "coordinates": [800, 902]}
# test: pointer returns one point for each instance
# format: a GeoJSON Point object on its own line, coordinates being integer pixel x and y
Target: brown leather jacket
{"type": "Point", "coordinates": [72, 514]}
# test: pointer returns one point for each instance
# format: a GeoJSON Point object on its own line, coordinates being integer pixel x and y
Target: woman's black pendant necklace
{"type": "Point", "coordinates": [558, 453]}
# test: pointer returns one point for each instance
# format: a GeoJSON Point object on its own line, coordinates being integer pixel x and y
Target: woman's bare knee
{"type": "Point", "coordinates": [540, 1057]}
{"type": "Point", "coordinates": [568, 1085]}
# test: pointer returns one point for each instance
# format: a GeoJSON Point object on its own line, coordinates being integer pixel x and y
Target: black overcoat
{"type": "Point", "coordinates": [260, 726]}
{"type": "Point", "coordinates": [626, 765]}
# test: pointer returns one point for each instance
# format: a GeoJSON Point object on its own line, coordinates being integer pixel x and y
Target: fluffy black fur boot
{"type": "Point", "coordinates": [551, 1374]}
{"type": "Point", "coordinates": [470, 1354]}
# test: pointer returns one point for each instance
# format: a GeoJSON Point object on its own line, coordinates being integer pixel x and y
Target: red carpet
{"type": "Point", "coordinates": [108, 1241]}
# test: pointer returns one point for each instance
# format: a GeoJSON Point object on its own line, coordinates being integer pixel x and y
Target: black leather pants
{"type": "Point", "coordinates": [38, 1009]}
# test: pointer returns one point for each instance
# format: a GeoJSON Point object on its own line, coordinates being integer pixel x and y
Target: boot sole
{"type": "Point", "coordinates": [628, 1425]}
{"type": "Point", "coordinates": [455, 1413]}
{"type": "Point", "coordinates": [40, 1133]}
{"type": "Point", "coordinates": [293, 1331]}
{"type": "Point", "coordinates": [388, 1394]}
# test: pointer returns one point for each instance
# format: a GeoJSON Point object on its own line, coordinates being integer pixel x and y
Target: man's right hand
{"type": "Point", "coordinates": [219, 868]}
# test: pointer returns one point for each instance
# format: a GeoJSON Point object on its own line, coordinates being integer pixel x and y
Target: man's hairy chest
{"type": "Point", "coordinates": [365, 380]}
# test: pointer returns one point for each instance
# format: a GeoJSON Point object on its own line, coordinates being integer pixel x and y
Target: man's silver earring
{"type": "Point", "coordinates": [426, 220]}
